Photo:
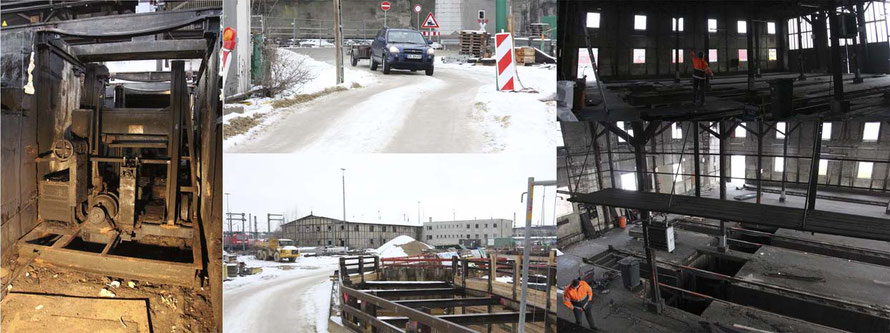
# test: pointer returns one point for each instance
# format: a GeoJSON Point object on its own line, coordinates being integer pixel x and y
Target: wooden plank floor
{"type": "Point", "coordinates": [52, 313]}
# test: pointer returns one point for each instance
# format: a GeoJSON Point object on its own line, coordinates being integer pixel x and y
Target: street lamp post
{"type": "Point", "coordinates": [526, 251]}
{"type": "Point", "coordinates": [229, 215]}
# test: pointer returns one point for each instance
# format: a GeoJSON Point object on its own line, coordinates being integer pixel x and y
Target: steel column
{"type": "Point", "coordinates": [697, 157]}
{"type": "Point", "coordinates": [814, 169]}
{"type": "Point", "coordinates": [724, 134]}
{"type": "Point", "coordinates": [639, 144]}
{"type": "Point", "coordinates": [837, 76]}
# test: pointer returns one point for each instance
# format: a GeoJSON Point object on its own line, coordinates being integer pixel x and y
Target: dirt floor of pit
{"type": "Point", "coordinates": [170, 308]}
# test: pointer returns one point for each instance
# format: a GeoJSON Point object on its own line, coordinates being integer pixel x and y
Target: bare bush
{"type": "Point", "coordinates": [282, 72]}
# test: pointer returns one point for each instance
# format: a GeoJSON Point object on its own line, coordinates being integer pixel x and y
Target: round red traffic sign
{"type": "Point", "coordinates": [417, 8]}
{"type": "Point", "coordinates": [384, 5]}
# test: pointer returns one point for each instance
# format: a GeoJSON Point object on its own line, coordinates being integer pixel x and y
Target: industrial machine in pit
{"type": "Point", "coordinates": [124, 165]}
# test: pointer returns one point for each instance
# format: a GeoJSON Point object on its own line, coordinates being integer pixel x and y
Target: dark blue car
{"type": "Point", "coordinates": [401, 49]}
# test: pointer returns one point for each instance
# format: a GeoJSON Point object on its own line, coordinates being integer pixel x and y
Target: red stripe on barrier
{"type": "Point", "coordinates": [509, 85]}
{"type": "Point", "coordinates": [505, 61]}
{"type": "Point", "coordinates": [500, 39]}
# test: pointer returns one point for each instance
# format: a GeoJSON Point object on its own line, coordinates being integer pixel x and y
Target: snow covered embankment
{"type": "Point", "coordinates": [515, 121]}
{"type": "Point", "coordinates": [324, 78]}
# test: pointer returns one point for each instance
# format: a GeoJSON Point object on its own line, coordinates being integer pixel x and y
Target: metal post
{"type": "Point", "coordinates": [801, 77]}
{"type": "Point", "coordinates": [526, 251]}
{"type": "Point", "coordinates": [814, 169]}
{"type": "Point", "coordinates": [597, 165]}
{"type": "Point", "coordinates": [837, 76]}
{"type": "Point", "coordinates": [750, 49]}
{"type": "Point", "coordinates": [639, 143]}
{"type": "Point", "coordinates": [676, 56]}
{"type": "Point", "coordinates": [229, 212]}
{"type": "Point", "coordinates": [338, 40]}
{"type": "Point", "coordinates": [696, 155]}
{"type": "Point", "coordinates": [295, 30]}
{"type": "Point", "coordinates": [785, 163]}
{"type": "Point", "coordinates": [343, 181]}
{"type": "Point", "coordinates": [724, 134]}
{"type": "Point", "coordinates": [759, 170]}
{"type": "Point", "coordinates": [862, 51]}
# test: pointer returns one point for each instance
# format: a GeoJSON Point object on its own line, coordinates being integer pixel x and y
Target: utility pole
{"type": "Point", "coordinates": [418, 211]}
{"type": "Point", "coordinates": [343, 181]}
{"type": "Point", "coordinates": [526, 251]}
{"type": "Point", "coordinates": [338, 41]}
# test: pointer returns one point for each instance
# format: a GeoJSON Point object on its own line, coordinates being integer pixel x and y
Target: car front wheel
{"type": "Point", "coordinates": [354, 60]}
{"type": "Point", "coordinates": [429, 71]}
{"type": "Point", "coordinates": [386, 66]}
{"type": "Point", "coordinates": [373, 64]}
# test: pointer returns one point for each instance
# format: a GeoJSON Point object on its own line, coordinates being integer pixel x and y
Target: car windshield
{"type": "Point", "coordinates": [285, 243]}
{"type": "Point", "coordinates": [412, 37]}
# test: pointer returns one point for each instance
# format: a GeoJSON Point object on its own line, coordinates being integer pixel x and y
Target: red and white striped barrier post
{"type": "Point", "coordinates": [506, 65]}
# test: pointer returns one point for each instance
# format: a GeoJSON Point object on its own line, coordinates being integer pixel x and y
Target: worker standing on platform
{"type": "Point", "coordinates": [579, 297]}
{"type": "Point", "coordinates": [699, 76]}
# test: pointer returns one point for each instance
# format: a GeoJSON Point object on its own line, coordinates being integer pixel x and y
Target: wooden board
{"type": "Point", "coordinates": [46, 313]}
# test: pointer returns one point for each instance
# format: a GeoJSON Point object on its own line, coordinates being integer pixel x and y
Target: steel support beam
{"type": "Point", "coordinates": [759, 171]}
{"type": "Point", "coordinates": [141, 50]}
{"type": "Point", "coordinates": [696, 155]}
{"type": "Point", "coordinates": [812, 185]}
{"type": "Point", "coordinates": [468, 319]}
{"type": "Point", "coordinates": [837, 76]}
{"type": "Point", "coordinates": [395, 293]}
{"type": "Point", "coordinates": [449, 302]}
{"type": "Point", "coordinates": [643, 186]}
{"type": "Point", "coordinates": [724, 136]}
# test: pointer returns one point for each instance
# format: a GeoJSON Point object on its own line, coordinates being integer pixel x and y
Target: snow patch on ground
{"type": "Point", "coordinates": [320, 306]}
{"type": "Point", "coordinates": [373, 120]}
{"type": "Point", "coordinates": [324, 77]}
{"type": "Point", "coordinates": [273, 270]}
{"type": "Point", "coordinates": [515, 121]}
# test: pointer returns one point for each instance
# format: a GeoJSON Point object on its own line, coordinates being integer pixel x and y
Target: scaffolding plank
{"type": "Point", "coordinates": [469, 319]}
{"type": "Point", "coordinates": [776, 216]}
{"type": "Point", "coordinates": [449, 302]}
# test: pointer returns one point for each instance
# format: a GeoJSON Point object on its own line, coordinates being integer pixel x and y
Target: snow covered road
{"type": "Point", "coordinates": [283, 298]}
{"type": "Point", "coordinates": [455, 110]}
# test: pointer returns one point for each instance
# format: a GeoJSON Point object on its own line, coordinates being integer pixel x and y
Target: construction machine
{"type": "Point", "coordinates": [277, 249]}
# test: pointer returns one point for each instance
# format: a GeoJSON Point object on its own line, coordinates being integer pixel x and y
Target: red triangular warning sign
{"type": "Point", "coordinates": [430, 22]}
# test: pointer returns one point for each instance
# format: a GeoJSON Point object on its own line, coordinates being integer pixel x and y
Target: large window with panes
{"type": "Point", "coordinates": [876, 27]}
{"type": "Point", "coordinates": [805, 32]}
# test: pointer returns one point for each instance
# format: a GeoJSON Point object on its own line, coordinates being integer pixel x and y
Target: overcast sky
{"type": "Point", "coordinates": [465, 186]}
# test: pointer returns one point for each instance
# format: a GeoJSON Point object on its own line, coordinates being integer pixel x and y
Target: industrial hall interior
{"type": "Point", "coordinates": [809, 56]}
{"type": "Point", "coordinates": [727, 166]}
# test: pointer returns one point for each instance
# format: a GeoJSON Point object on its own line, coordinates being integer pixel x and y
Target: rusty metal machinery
{"type": "Point", "coordinates": [119, 186]}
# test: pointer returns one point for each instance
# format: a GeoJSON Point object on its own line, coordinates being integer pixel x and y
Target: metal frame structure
{"type": "Point", "coordinates": [807, 219]}
{"type": "Point", "coordinates": [370, 303]}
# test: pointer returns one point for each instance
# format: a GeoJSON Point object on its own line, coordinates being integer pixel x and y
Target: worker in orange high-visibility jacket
{"type": "Point", "coordinates": [699, 76]}
{"type": "Point", "coordinates": [579, 297]}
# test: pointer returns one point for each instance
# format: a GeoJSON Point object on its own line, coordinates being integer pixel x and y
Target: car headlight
{"type": "Point", "coordinates": [393, 49]}
{"type": "Point", "coordinates": [431, 51]}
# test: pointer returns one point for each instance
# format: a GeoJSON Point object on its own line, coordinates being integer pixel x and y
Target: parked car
{"type": "Point", "coordinates": [401, 49]}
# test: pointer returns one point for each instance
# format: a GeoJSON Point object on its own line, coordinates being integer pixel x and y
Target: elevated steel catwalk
{"type": "Point", "coordinates": [776, 216]}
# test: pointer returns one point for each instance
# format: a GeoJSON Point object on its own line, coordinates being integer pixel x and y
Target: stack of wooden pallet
{"type": "Point", "coordinates": [474, 43]}
{"type": "Point", "coordinates": [525, 55]}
